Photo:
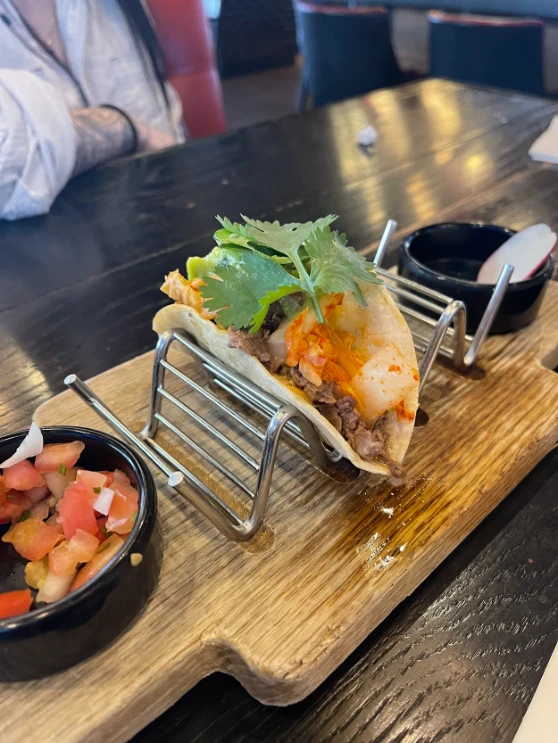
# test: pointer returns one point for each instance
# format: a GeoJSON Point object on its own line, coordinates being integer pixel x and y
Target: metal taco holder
{"type": "Point", "coordinates": [440, 330]}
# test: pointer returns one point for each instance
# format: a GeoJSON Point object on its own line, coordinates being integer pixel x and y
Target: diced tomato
{"type": "Point", "coordinates": [61, 561]}
{"type": "Point", "coordinates": [91, 480]}
{"type": "Point", "coordinates": [36, 572]}
{"type": "Point", "coordinates": [37, 494]}
{"type": "Point", "coordinates": [32, 538]}
{"type": "Point", "coordinates": [59, 457]}
{"type": "Point", "coordinates": [75, 510]}
{"type": "Point", "coordinates": [109, 476]}
{"type": "Point", "coordinates": [22, 476]}
{"type": "Point", "coordinates": [101, 529]}
{"type": "Point", "coordinates": [103, 556]}
{"type": "Point", "coordinates": [84, 545]}
{"type": "Point", "coordinates": [126, 489]}
{"type": "Point", "coordinates": [55, 521]}
{"type": "Point", "coordinates": [64, 559]}
{"type": "Point", "coordinates": [16, 503]}
{"type": "Point", "coordinates": [3, 491]}
{"type": "Point", "coordinates": [123, 511]}
{"type": "Point", "coordinates": [14, 603]}
{"type": "Point", "coordinates": [119, 477]}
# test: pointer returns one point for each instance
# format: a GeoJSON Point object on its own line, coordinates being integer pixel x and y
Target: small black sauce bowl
{"type": "Point", "coordinates": [447, 258]}
{"type": "Point", "coordinates": [55, 636]}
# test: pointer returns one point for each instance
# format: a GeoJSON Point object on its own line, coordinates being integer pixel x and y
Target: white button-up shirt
{"type": "Point", "coordinates": [37, 138]}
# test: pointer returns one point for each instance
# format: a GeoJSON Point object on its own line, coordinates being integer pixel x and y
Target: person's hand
{"type": "Point", "coordinates": [150, 138]}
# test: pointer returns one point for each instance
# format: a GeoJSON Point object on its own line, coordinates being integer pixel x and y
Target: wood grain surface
{"type": "Point", "coordinates": [332, 561]}
{"type": "Point", "coordinates": [459, 659]}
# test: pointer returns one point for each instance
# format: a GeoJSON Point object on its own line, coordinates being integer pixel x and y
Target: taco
{"type": "Point", "coordinates": [298, 312]}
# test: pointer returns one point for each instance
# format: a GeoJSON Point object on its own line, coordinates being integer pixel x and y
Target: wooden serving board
{"type": "Point", "coordinates": [280, 613]}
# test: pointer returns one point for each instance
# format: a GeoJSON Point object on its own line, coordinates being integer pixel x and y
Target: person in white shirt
{"type": "Point", "coordinates": [81, 82]}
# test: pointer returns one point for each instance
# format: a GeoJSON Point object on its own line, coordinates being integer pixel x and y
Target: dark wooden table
{"type": "Point", "coordinates": [460, 659]}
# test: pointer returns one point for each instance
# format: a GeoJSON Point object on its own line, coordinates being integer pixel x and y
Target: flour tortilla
{"type": "Point", "coordinates": [375, 326]}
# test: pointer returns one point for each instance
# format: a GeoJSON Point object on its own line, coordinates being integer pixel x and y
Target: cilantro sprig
{"type": "Point", "coordinates": [242, 288]}
{"type": "Point", "coordinates": [258, 263]}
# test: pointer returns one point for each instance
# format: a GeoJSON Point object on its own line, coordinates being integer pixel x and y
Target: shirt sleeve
{"type": "Point", "coordinates": [37, 144]}
{"type": "Point", "coordinates": [175, 114]}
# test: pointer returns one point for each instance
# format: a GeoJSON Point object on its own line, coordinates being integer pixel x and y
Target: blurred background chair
{"type": "Point", "coordinates": [186, 38]}
{"type": "Point", "coordinates": [346, 51]}
{"type": "Point", "coordinates": [254, 35]}
{"type": "Point", "coordinates": [503, 52]}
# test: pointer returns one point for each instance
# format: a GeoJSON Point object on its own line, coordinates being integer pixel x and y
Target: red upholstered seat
{"type": "Point", "coordinates": [466, 19]}
{"type": "Point", "coordinates": [185, 36]}
{"type": "Point", "coordinates": [309, 7]}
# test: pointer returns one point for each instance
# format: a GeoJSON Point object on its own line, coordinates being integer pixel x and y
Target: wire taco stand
{"type": "Point", "coordinates": [437, 323]}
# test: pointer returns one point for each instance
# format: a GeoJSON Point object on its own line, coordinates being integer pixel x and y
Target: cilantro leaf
{"type": "Point", "coordinates": [259, 263]}
{"type": "Point", "coordinates": [233, 227]}
{"type": "Point", "coordinates": [241, 288]}
{"type": "Point", "coordinates": [231, 234]}
{"type": "Point", "coordinates": [288, 239]}
{"type": "Point", "coordinates": [284, 238]}
{"type": "Point", "coordinates": [334, 266]}
{"type": "Point", "coordinates": [236, 235]}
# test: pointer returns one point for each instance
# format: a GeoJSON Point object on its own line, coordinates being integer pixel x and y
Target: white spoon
{"type": "Point", "coordinates": [526, 252]}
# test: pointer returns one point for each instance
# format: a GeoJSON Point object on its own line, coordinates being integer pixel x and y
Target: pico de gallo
{"type": "Point", "coordinates": [66, 521]}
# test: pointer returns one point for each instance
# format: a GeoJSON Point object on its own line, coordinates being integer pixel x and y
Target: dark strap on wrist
{"type": "Point", "coordinates": [135, 140]}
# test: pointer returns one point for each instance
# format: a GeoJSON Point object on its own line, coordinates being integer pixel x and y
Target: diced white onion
{"type": "Point", "coordinates": [277, 343]}
{"type": "Point", "coordinates": [31, 445]}
{"type": "Point", "coordinates": [55, 587]}
{"type": "Point", "coordinates": [58, 483]}
{"type": "Point", "coordinates": [103, 501]}
{"type": "Point", "coordinates": [39, 511]}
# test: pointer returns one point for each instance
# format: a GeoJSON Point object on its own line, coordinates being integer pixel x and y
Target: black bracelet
{"type": "Point", "coordinates": [135, 140]}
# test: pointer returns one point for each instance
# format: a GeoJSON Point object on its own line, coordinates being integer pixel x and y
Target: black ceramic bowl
{"type": "Point", "coordinates": [447, 258]}
{"type": "Point", "coordinates": [58, 635]}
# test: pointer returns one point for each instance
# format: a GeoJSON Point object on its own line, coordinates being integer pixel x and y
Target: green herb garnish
{"type": "Point", "coordinates": [134, 518]}
{"type": "Point", "coordinates": [62, 469]}
{"type": "Point", "coordinates": [258, 263]}
{"type": "Point", "coordinates": [24, 516]}
{"type": "Point", "coordinates": [248, 283]}
{"type": "Point", "coordinates": [97, 490]}
{"type": "Point", "coordinates": [105, 532]}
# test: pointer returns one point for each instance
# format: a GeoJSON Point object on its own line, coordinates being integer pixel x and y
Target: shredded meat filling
{"type": "Point", "coordinates": [255, 345]}
{"type": "Point", "coordinates": [325, 393]}
{"type": "Point", "coordinates": [368, 442]}
{"type": "Point", "coordinates": [339, 409]}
